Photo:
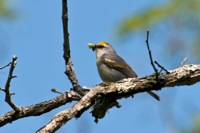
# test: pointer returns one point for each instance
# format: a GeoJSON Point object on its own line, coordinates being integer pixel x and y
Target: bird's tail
{"type": "Point", "coordinates": [154, 95]}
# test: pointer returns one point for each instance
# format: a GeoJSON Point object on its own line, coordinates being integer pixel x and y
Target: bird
{"type": "Point", "coordinates": [111, 67]}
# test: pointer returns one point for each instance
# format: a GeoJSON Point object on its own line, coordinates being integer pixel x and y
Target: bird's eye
{"type": "Point", "coordinates": [100, 46]}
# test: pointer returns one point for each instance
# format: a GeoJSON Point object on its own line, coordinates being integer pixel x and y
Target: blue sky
{"type": "Point", "coordinates": [35, 36]}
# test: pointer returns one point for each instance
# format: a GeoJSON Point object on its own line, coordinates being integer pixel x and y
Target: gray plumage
{"type": "Point", "coordinates": [111, 66]}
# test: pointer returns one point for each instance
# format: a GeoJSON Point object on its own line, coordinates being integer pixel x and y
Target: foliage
{"type": "Point", "coordinates": [5, 11]}
{"type": "Point", "coordinates": [195, 128]}
{"type": "Point", "coordinates": [180, 18]}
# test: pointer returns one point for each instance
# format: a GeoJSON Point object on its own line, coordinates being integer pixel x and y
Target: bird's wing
{"type": "Point", "coordinates": [117, 63]}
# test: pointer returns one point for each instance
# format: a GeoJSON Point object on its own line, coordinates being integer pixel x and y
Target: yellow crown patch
{"type": "Point", "coordinates": [102, 44]}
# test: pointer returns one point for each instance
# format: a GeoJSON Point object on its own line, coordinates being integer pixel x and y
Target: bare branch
{"type": "Point", "coordinates": [66, 47]}
{"type": "Point", "coordinates": [62, 117]}
{"type": "Point", "coordinates": [39, 108]}
{"type": "Point", "coordinates": [186, 75]}
{"type": "Point", "coordinates": [7, 86]}
{"type": "Point", "coordinates": [150, 55]}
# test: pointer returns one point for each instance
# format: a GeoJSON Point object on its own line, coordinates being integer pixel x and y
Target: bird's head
{"type": "Point", "coordinates": [101, 48]}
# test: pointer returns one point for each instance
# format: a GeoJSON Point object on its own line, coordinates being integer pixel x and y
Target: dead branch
{"type": "Point", "coordinates": [7, 86]}
{"type": "Point", "coordinates": [150, 56]}
{"type": "Point", "coordinates": [186, 75]}
{"type": "Point", "coordinates": [39, 108]}
{"type": "Point", "coordinates": [66, 47]}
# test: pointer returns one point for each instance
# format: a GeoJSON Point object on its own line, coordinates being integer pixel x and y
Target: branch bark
{"type": "Point", "coordinates": [39, 108]}
{"type": "Point", "coordinates": [66, 48]}
{"type": "Point", "coordinates": [7, 86]}
{"type": "Point", "coordinates": [186, 75]}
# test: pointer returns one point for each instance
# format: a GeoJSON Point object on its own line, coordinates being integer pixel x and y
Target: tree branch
{"type": "Point", "coordinates": [40, 108]}
{"type": "Point", "coordinates": [186, 75]}
{"type": "Point", "coordinates": [66, 47]}
{"type": "Point", "coordinates": [150, 56]}
{"type": "Point", "coordinates": [7, 85]}
{"type": "Point", "coordinates": [62, 117]}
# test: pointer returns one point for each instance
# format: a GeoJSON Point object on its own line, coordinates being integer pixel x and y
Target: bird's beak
{"type": "Point", "coordinates": [92, 46]}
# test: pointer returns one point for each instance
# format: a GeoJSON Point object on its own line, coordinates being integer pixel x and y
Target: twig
{"type": "Point", "coordinates": [183, 62]}
{"type": "Point", "coordinates": [56, 91]}
{"type": "Point", "coordinates": [5, 66]}
{"type": "Point", "coordinates": [66, 47]}
{"type": "Point", "coordinates": [151, 59]}
{"type": "Point", "coordinates": [162, 68]}
{"type": "Point", "coordinates": [7, 86]}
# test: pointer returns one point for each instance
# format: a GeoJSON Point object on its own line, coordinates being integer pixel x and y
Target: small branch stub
{"type": "Point", "coordinates": [56, 91]}
{"type": "Point", "coordinates": [183, 62]}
